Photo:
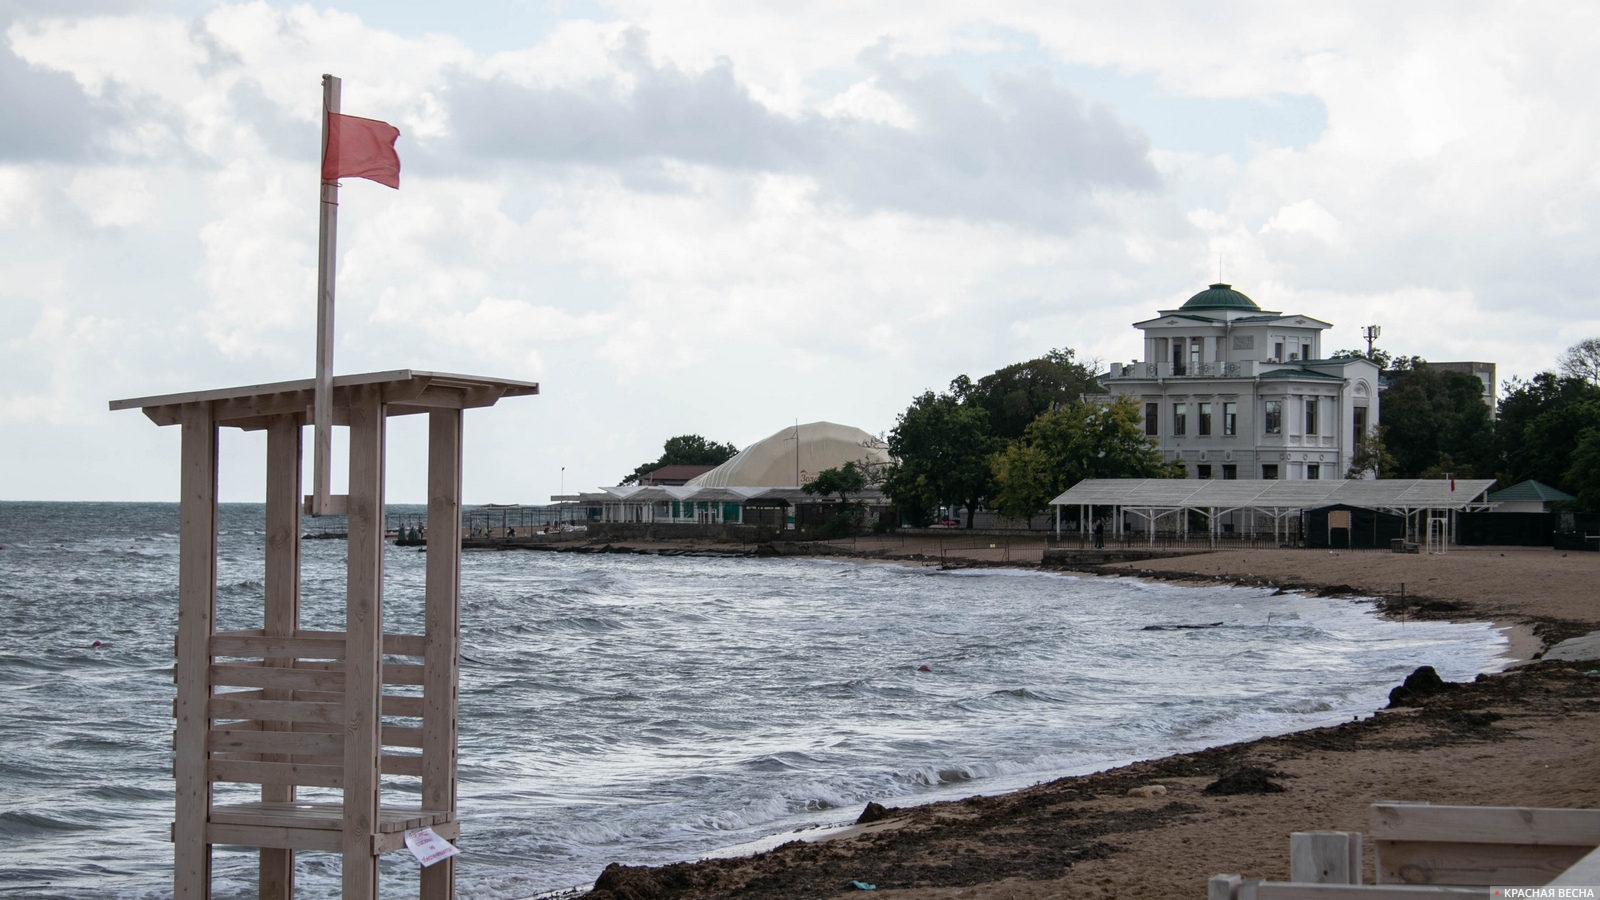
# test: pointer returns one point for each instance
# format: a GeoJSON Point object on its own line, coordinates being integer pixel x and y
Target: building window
{"type": "Point", "coordinates": [1195, 353]}
{"type": "Point", "coordinates": [1152, 419]}
{"type": "Point", "coordinates": [1203, 471]}
{"type": "Point", "coordinates": [1177, 356]}
{"type": "Point", "coordinates": [1205, 420]}
{"type": "Point", "coordinates": [1230, 418]}
{"type": "Point", "coordinates": [1269, 471]}
{"type": "Point", "coordinates": [1311, 416]}
{"type": "Point", "coordinates": [1230, 472]}
{"type": "Point", "coordinates": [1180, 419]}
{"type": "Point", "coordinates": [1277, 351]}
{"type": "Point", "coordinates": [1274, 417]}
{"type": "Point", "coordinates": [1313, 472]}
{"type": "Point", "coordinates": [1358, 416]}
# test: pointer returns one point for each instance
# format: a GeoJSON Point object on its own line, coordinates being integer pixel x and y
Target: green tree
{"type": "Point", "coordinates": [1432, 418]}
{"type": "Point", "coordinates": [940, 449]}
{"type": "Point", "coordinates": [685, 450]}
{"type": "Point", "coordinates": [1541, 422]}
{"type": "Point", "coordinates": [1370, 457]}
{"type": "Point", "coordinates": [1064, 446]}
{"type": "Point", "coordinates": [1019, 393]}
{"type": "Point", "coordinates": [845, 480]}
{"type": "Point", "coordinates": [1583, 476]}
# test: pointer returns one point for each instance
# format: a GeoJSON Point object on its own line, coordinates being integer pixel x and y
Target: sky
{"type": "Point", "coordinates": [722, 218]}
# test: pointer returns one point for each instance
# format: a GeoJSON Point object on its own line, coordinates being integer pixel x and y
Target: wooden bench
{"type": "Point", "coordinates": [1425, 851]}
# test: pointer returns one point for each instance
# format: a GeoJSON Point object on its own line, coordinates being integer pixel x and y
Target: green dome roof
{"type": "Point", "coordinates": [1221, 296]}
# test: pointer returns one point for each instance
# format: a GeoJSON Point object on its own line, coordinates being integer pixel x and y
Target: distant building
{"type": "Point", "coordinates": [1483, 371]}
{"type": "Point", "coordinates": [1233, 391]}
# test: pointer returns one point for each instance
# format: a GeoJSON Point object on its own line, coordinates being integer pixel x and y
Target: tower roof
{"type": "Point", "coordinates": [1220, 296]}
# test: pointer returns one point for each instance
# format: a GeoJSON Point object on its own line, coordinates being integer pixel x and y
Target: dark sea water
{"type": "Point", "coordinates": [645, 709]}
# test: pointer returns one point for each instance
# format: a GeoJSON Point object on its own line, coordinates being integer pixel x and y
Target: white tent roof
{"type": "Point", "coordinates": [775, 461]}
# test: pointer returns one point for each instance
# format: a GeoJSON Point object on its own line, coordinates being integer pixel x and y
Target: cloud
{"type": "Point", "coordinates": [1027, 151]}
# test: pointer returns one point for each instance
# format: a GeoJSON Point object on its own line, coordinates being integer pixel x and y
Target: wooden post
{"type": "Point", "coordinates": [441, 632]}
{"type": "Point", "coordinates": [327, 260]}
{"type": "Point", "coordinates": [1325, 857]}
{"type": "Point", "coordinates": [363, 644]}
{"type": "Point", "coordinates": [197, 613]}
{"type": "Point", "coordinates": [281, 614]}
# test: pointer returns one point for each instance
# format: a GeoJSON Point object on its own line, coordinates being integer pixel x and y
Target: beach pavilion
{"type": "Point", "coordinates": [760, 485]}
{"type": "Point", "coordinates": [1429, 505]}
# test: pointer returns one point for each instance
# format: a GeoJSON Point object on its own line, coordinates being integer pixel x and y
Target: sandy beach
{"type": "Point", "coordinates": [1522, 737]}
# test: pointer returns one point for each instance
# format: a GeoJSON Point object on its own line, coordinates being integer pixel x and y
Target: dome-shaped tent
{"type": "Point", "coordinates": [776, 462]}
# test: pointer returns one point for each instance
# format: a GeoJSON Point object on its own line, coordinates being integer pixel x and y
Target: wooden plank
{"type": "Point", "coordinates": [402, 673]}
{"type": "Point", "coordinates": [1325, 857]}
{"type": "Point", "coordinates": [1485, 824]}
{"type": "Point", "coordinates": [264, 676]}
{"type": "Point", "coordinates": [402, 707]}
{"type": "Point", "coordinates": [197, 608]}
{"type": "Point", "coordinates": [223, 706]}
{"type": "Point", "coordinates": [1440, 862]}
{"type": "Point", "coordinates": [304, 645]}
{"type": "Point", "coordinates": [252, 772]}
{"type": "Point", "coordinates": [401, 736]}
{"type": "Point", "coordinates": [1284, 890]}
{"type": "Point", "coordinates": [364, 629]}
{"type": "Point", "coordinates": [267, 836]}
{"type": "Point", "coordinates": [405, 644]}
{"type": "Point", "coordinates": [396, 840]}
{"type": "Point", "coordinates": [441, 633]}
{"type": "Point", "coordinates": [284, 743]}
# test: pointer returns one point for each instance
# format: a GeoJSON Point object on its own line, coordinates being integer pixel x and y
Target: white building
{"type": "Point", "coordinates": [1234, 391]}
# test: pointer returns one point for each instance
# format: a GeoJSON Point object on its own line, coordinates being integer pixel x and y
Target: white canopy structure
{"type": "Point", "coordinates": [765, 476]}
{"type": "Point", "coordinates": [1151, 499]}
{"type": "Point", "coordinates": [795, 456]}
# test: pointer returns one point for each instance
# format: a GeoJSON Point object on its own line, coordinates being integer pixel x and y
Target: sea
{"type": "Point", "coordinates": [648, 709]}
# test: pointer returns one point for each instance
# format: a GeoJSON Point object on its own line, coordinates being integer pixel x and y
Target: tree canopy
{"type": "Point", "coordinates": [1021, 392]}
{"type": "Point", "coordinates": [1066, 445]}
{"type": "Point", "coordinates": [941, 448]}
{"type": "Point", "coordinates": [685, 450]}
{"type": "Point", "coordinates": [1542, 423]}
{"type": "Point", "coordinates": [1436, 422]}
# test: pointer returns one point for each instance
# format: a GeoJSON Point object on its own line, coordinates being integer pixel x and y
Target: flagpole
{"type": "Point", "coordinates": [322, 411]}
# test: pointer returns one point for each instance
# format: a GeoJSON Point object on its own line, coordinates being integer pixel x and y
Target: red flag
{"type": "Point", "coordinates": [361, 148]}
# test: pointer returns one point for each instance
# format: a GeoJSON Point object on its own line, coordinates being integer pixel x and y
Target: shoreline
{"type": "Point", "coordinates": [1084, 836]}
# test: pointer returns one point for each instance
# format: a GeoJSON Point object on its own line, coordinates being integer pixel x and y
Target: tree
{"type": "Point", "coordinates": [1432, 418]}
{"type": "Point", "coordinates": [1019, 393]}
{"type": "Point", "coordinates": [1583, 476]}
{"type": "Point", "coordinates": [940, 449]}
{"type": "Point", "coordinates": [1582, 361]}
{"type": "Point", "coordinates": [845, 480]}
{"type": "Point", "coordinates": [685, 450]}
{"type": "Point", "coordinates": [1540, 425]}
{"type": "Point", "coordinates": [1370, 457]}
{"type": "Point", "coordinates": [1064, 446]}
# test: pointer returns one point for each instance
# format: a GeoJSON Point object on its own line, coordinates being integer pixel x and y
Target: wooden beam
{"type": "Point", "coordinates": [441, 634]}
{"type": "Point", "coordinates": [280, 618]}
{"type": "Point", "coordinates": [363, 640]}
{"type": "Point", "coordinates": [197, 611]}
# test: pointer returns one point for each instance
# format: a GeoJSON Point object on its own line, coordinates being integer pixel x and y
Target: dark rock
{"type": "Point", "coordinates": [1421, 684]}
{"type": "Point", "coordinates": [1246, 780]}
{"type": "Point", "coordinates": [874, 812]}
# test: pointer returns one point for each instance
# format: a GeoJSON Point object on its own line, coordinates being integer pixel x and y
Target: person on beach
{"type": "Point", "coordinates": [1099, 534]}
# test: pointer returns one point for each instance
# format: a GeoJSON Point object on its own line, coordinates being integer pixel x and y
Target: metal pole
{"type": "Point", "coordinates": [322, 410]}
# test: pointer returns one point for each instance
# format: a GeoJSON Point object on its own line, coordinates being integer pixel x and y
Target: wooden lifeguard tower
{"type": "Point", "coordinates": [283, 707]}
